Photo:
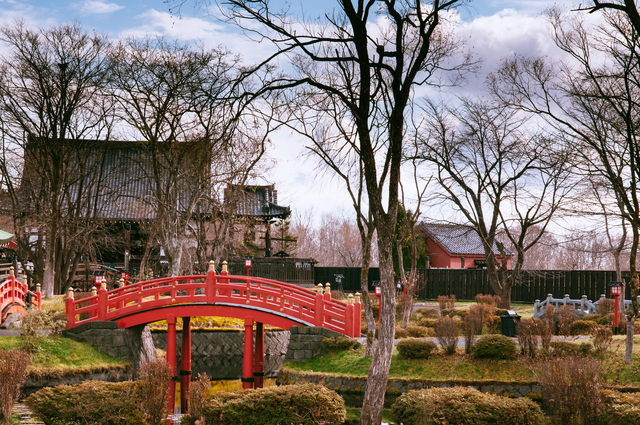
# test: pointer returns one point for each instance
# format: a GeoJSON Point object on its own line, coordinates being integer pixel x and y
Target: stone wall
{"type": "Point", "coordinates": [227, 343]}
{"type": "Point", "coordinates": [133, 345]}
{"type": "Point", "coordinates": [35, 383]}
{"type": "Point", "coordinates": [306, 342]}
{"type": "Point", "coordinates": [352, 388]}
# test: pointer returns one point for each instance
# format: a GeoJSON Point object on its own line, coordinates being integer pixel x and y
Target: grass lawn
{"type": "Point", "coordinates": [58, 356]}
{"type": "Point", "coordinates": [460, 366]}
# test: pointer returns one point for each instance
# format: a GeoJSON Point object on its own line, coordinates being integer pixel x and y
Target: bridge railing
{"type": "Point", "coordinates": [14, 291]}
{"type": "Point", "coordinates": [316, 308]}
{"type": "Point", "coordinates": [582, 306]}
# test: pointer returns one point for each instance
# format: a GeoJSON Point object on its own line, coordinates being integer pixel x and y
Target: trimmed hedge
{"type": "Point", "coordinates": [497, 347]}
{"type": "Point", "coordinates": [464, 406]}
{"type": "Point", "coordinates": [620, 408]}
{"type": "Point", "coordinates": [340, 343]}
{"type": "Point", "coordinates": [582, 327]}
{"type": "Point", "coordinates": [92, 402]}
{"type": "Point", "coordinates": [412, 348]}
{"type": "Point", "coordinates": [568, 348]}
{"type": "Point", "coordinates": [289, 404]}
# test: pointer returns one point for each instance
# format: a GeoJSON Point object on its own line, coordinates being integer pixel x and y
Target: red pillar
{"type": "Point", "coordinates": [185, 365]}
{"type": "Point", "coordinates": [247, 363]}
{"type": "Point", "coordinates": [171, 361]}
{"type": "Point", "coordinates": [258, 359]}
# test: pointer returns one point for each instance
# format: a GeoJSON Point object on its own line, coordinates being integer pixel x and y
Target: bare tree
{"type": "Point", "coordinates": [185, 105]}
{"type": "Point", "coordinates": [52, 97]}
{"type": "Point", "coordinates": [366, 58]}
{"type": "Point", "coordinates": [593, 104]}
{"type": "Point", "coordinates": [498, 177]}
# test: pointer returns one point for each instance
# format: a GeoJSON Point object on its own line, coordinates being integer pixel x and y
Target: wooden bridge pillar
{"type": "Point", "coordinates": [185, 365]}
{"type": "Point", "coordinates": [171, 361]}
{"type": "Point", "coordinates": [247, 361]}
{"type": "Point", "coordinates": [258, 358]}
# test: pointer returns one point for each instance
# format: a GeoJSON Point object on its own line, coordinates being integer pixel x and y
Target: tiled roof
{"type": "Point", "coordinates": [458, 239]}
{"type": "Point", "coordinates": [256, 201]}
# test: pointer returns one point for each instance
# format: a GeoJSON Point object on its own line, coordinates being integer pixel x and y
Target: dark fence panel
{"type": "Point", "coordinates": [534, 284]}
{"type": "Point", "coordinates": [350, 281]}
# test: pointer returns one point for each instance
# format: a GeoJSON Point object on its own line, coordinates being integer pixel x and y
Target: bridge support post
{"type": "Point", "coordinates": [258, 359]}
{"type": "Point", "coordinates": [171, 361]}
{"type": "Point", "coordinates": [247, 361]}
{"type": "Point", "coordinates": [185, 365]}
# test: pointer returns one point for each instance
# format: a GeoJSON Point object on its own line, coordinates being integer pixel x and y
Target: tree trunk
{"type": "Point", "coordinates": [373, 402]}
{"type": "Point", "coordinates": [408, 304]}
{"type": "Point", "coordinates": [628, 352]}
{"type": "Point", "coordinates": [48, 277]}
{"type": "Point", "coordinates": [366, 301]}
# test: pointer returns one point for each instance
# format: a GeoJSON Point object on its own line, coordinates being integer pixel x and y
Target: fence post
{"type": "Point", "coordinates": [327, 292]}
{"type": "Point", "coordinates": [319, 308]}
{"type": "Point", "coordinates": [349, 317]}
{"type": "Point", "coordinates": [71, 308]}
{"type": "Point", "coordinates": [583, 302]}
{"type": "Point", "coordinates": [39, 296]}
{"type": "Point", "coordinates": [102, 302]}
{"type": "Point", "coordinates": [357, 316]}
{"type": "Point", "coordinates": [210, 287]}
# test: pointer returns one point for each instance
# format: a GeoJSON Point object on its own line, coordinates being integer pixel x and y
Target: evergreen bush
{"type": "Point", "coordinates": [92, 402]}
{"type": "Point", "coordinates": [620, 408]}
{"type": "Point", "coordinates": [464, 406]}
{"type": "Point", "coordinates": [497, 347]}
{"type": "Point", "coordinates": [412, 348]}
{"type": "Point", "coordinates": [307, 404]}
{"type": "Point", "coordinates": [340, 343]}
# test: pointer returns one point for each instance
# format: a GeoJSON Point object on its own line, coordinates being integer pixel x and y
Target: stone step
{"type": "Point", "coordinates": [25, 415]}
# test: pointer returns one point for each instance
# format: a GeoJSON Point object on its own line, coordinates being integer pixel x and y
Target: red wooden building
{"type": "Point", "coordinates": [456, 246]}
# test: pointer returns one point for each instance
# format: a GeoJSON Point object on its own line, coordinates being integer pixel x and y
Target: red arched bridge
{"type": "Point", "coordinates": [223, 295]}
{"type": "Point", "coordinates": [14, 294]}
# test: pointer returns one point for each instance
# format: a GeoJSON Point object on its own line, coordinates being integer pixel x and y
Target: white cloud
{"type": "Point", "coordinates": [97, 7]}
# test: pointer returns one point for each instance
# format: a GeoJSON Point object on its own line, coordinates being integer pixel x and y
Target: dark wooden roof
{"type": "Point", "coordinates": [256, 201]}
{"type": "Point", "coordinates": [458, 239]}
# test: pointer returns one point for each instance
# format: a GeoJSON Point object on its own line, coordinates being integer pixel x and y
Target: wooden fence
{"type": "Point", "coordinates": [466, 284]}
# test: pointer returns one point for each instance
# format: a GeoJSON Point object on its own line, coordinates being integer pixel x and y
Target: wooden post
{"type": "Point", "coordinates": [224, 281]}
{"type": "Point", "coordinates": [185, 365]}
{"type": "Point", "coordinates": [171, 361]}
{"type": "Point", "coordinates": [39, 296]}
{"type": "Point", "coordinates": [102, 302]}
{"type": "Point", "coordinates": [247, 360]}
{"type": "Point", "coordinates": [348, 320]}
{"type": "Point", "coordinates": [71, 308]}
{"type": "Point", "coordinates": [211, 283]}
{"type": "Point", "coordinates": [357, 316]}
{"type": "Point", "coordinates": [319, 313]}
{"type": "Point", "coordinates": [258, 358]}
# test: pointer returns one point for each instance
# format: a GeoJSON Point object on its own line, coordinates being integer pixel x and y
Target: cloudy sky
{"type": "Point", "coordinates": [492, 29]}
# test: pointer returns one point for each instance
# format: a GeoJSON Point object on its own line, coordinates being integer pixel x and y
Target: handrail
{"type": "Point", "coordinates": [13, 291]}
{"type": "Point", "coordinates": [281, 298]}
{"type": "Point", "coordinates": [581, 306]}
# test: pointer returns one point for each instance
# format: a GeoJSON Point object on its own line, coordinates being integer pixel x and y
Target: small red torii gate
{"type": "Point", "coordinates": [13, 296]}
{"type": "Point", "coordinates": [252, 299]}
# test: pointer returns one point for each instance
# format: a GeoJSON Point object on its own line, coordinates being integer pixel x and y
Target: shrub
{"type": "Point", "coordinates": [452, 312]}
{"type": "Point", "coordinates": [571, 388]}
{"type": "Point", "coordinates": [620, 408]}
{"type": "Point", "coordinates": [582, 327]}
{"type": "Point", "coordinates": [428, 313]}
{"type": "Point", "coordinates": [427, 322]}
{"type": "Point", "coordinates": [500, 312]}
{"type": "Point", "coordinates": [197, 395]}
{"type": "Point", "coordinates": [495, 347]}
{"type": "Point", "coordinates": [401, 333]}
{"type": "Point", "coordinates": [13, 374]}
{"type": "Point", "coordinates": [602, 339]}
{"type": "Point", "coordinates": [36, 321]}
{"type": "Point", "coordinates": [153, 390]}
{"type": "Point", "coordinates": [471, 326]}
{"type": "Point", "coordinates": [287, 404]}
{"type": "Point", "coordinates": [416, 332]}
{"type": "Point", "coordinates": [412, 348]}
{"type": "Point", "coordinates": [451, 302]}
{"type": "Point", "coordinates": [339, 343]}
{"type": "Point", "coordinates": [528, 336]}
{"type": "Point", "coordinates": [92, 402]}
{"type": "Point", "coordinates": [568, 349]}
{"type": "Point", "coordinates": [463, 406]}
{"type": "Point", "coordinates": [605, 306]}
{"type": "Point", "coordinates": [565, 318]}
{"type": "Point", "coordinates": [446, 330]}
{"type": "Point", "coordinates": [493, 324]}
{"type": "Point", "coordinates": [336, 294]}
{"type": "Point", "coordinates": [483, 311]}
{"type": "Point", "coordinates": [592, 317]}
{"type": "Point", "coordinates": [442, 301]}
{"type": "Point", "coordinates": [487, 299]}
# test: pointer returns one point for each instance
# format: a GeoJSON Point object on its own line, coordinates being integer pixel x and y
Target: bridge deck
{"type": "Point", "coordinates": [279, 303]}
